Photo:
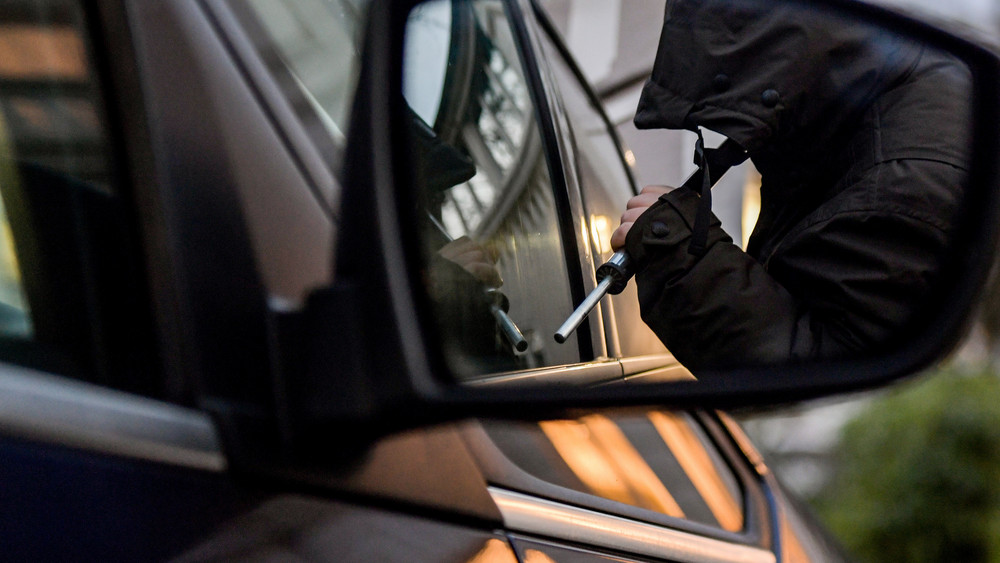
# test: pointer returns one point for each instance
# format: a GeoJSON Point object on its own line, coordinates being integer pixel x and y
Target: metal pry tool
{"type": "Point", "coordinates": [499, 304]}
{"type": "Point", "coordinates": [614, 274]}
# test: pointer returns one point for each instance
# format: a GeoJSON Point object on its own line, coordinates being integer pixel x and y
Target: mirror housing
{"type": "Point", "coordinates": [366, 358]}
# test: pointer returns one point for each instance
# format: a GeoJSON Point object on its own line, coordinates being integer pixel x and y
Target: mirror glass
{"type": "Point", "coordinates": [850, 143]}
{"type": "Point", "coordinates": [496, 261]}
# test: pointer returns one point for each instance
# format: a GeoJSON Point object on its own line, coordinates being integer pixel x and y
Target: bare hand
{"type": "Point", "coordinates": [474, 259]}
{"type": "Point", "coordinates": [636, 207]}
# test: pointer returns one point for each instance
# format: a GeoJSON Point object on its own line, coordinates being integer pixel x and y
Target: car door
{"type": "Point", "coordinates": [88, 445]}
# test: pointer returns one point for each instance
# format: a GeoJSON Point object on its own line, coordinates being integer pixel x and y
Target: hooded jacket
{"type": "Point", "coordinates": [862, 140]}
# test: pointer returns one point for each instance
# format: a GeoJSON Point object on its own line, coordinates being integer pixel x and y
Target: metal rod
{"type": "Point", "coordinates": [583, 310]}
{"type": "Point", "coordinates": [507, 326]}
{"type": "Point", "coordinates": [509, 329]}
{"type": "Point", "coordinates": [440, 226]}
{"type": "Point", "coordinates": [618, 270]}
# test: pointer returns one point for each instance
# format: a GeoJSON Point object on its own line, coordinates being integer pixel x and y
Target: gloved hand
{"type": "Point", "coordinates": [633, 209]}
{"type": "Point", "coordinates": [474, 259]}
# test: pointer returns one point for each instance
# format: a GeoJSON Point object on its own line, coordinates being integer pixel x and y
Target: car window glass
{"type": "Point", "coordinates": [316, 44]}
{"type": "Point", "coordinates": [606, 187]}
{"type": "Point", "coordinates": [661, 461]}
{"type": "Point", "coordinates": [487, 210]}
{"type": "Point", "coordinates": [50, 137]}
{"type": "Point", "coordinates": [73, 295]}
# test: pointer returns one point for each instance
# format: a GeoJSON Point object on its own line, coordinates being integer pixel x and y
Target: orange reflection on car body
{"type": "Point", "coordinates": [495, 551]}
{"type": "Point", "coordinates": [602, 457]}
{"type": "Point", "coordinates": [535, 556]}
{"type": "Point", "coordinates": [692, 457]}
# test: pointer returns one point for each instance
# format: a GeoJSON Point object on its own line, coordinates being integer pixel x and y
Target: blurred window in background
{"type": "Point", "coordinates": [73, 289]}
{"type": "Point", "coordinates": [49, 122]}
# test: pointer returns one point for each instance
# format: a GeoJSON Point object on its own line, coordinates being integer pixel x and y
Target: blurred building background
{"type": "Point", "coordinates": [614, 41]}
{"type": "Point", "coordinates": [907, 473]}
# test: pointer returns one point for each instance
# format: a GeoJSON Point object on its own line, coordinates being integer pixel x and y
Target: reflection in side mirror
{"type": "Point", "coordinates": [862, 136]}
{"type": "Point", "coordinates": [497, 298]}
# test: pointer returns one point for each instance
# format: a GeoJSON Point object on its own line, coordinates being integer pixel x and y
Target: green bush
{"type": "Point", "coordinates": [918, 473]}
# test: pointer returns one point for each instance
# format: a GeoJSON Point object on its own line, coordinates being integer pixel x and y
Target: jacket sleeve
{"type": "Point", "coordinates": [842, 285]}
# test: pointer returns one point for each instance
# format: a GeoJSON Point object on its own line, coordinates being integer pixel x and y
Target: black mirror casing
{"type": "Point", "coordinates": [368, 360]}
{"type": "Point", "coordinates": [362, 363]}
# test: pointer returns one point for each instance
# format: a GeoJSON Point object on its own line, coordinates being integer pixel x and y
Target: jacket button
{"type": "Point", "coordinates": [770, 98]}
{"type": "Point", "coordinates": [721, 83]}
{"type": "Point", "coordinates": [659, 229]}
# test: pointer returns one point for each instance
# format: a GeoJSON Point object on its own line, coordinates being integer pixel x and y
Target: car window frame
{"type": "Point", "coordinates": [140, 414]}
{"type": "Point", "coordinates": [653, 366]}
{"type": "Point", "coordinates": [561, 171]}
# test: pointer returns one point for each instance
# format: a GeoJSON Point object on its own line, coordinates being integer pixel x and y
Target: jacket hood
{"type": "Point", "coordinates": [767, 74]}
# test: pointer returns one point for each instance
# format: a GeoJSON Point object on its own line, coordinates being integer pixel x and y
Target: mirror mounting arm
{"type": "Point", "coordinates": [355, 356]}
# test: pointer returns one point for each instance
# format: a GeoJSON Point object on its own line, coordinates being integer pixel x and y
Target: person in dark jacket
{"type": "Point", "coordinates": [862, 140]}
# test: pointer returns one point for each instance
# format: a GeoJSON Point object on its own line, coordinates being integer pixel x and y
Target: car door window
{"type": "Point", "coordinates": [661, 461]}
{"type": "Point", "coordinates": [72, 296]}
{"type": "Point", "coordinates": [606, 187]}
{"type": "Point", "coordinates": [488, 213]}
{"type": "Point", "coordinates": [49, 122]}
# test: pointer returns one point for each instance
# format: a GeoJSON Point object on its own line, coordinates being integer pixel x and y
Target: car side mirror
{"type": "Point", "coordinates": [876, 139]}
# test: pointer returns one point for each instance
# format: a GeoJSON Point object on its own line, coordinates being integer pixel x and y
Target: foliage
{"type": "Point", "coordinates": [918, 476]}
